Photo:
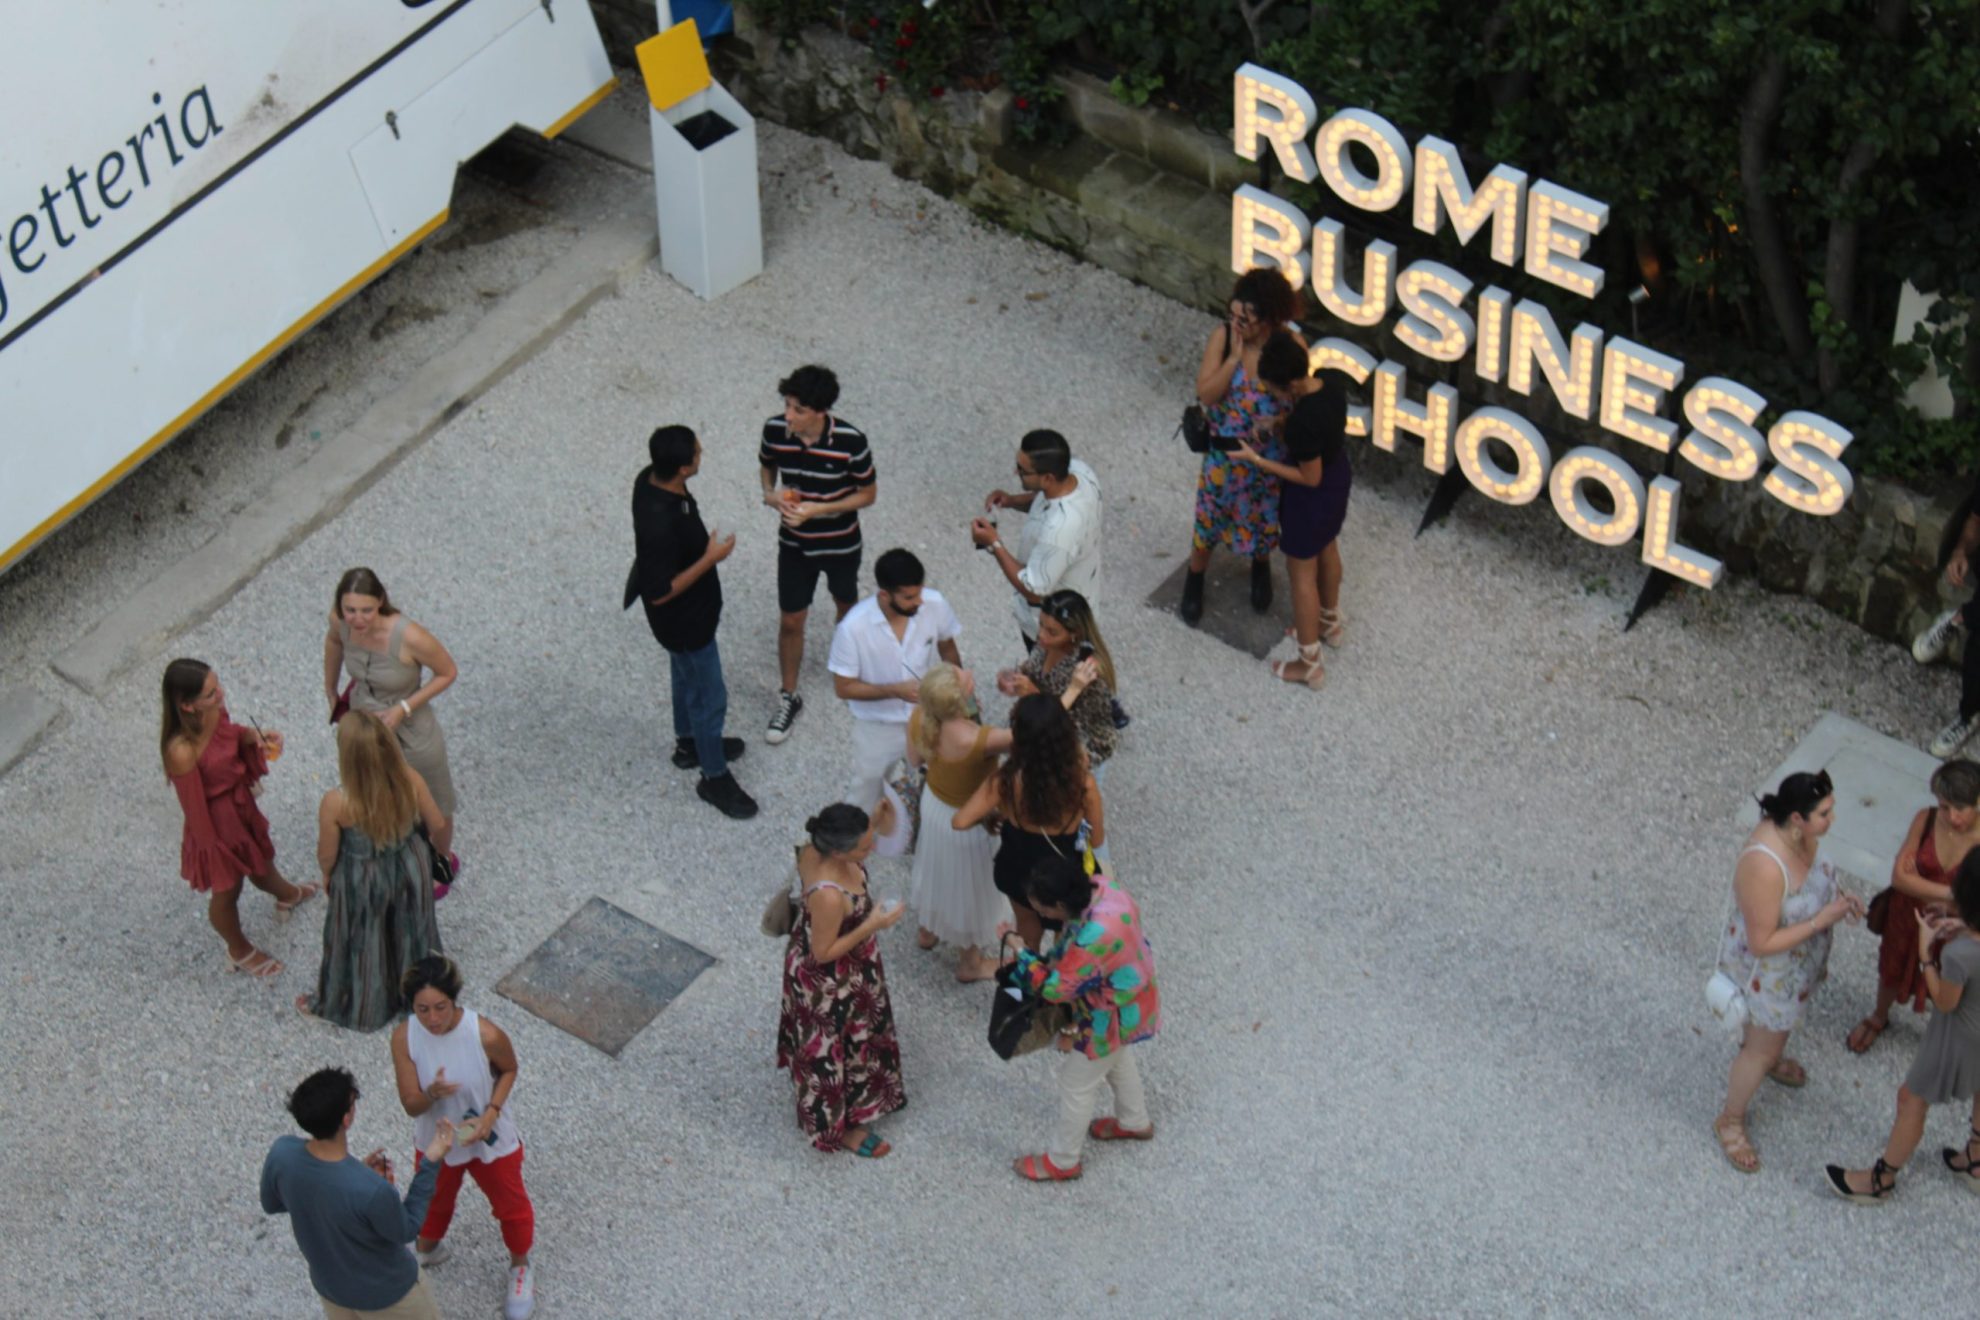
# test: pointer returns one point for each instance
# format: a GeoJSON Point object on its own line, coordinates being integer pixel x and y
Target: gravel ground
{"type": "Point", "coordinates": [1432, 940]}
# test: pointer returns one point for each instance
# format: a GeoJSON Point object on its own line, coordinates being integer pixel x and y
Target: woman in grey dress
{"type": "Point", "coordinates": [378, 875]}
{"type": "Point", "coordinates": [1947, 1066]}
{"type": "Point", "coordinates": [388, 658]}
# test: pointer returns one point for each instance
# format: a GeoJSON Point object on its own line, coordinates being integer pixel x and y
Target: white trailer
{"type": "Point", "coordinates": [187, 185]}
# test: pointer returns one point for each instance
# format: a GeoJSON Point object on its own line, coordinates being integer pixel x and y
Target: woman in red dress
{"type": "Point", "coordinates": [1939, 839]}
{"type": "Point", "coordinates": [213, 764]}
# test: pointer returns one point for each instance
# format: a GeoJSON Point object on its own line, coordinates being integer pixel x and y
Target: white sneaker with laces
{"type": "Point", "coordinates": [441, 1251]}
{"type": "Point", "coordinates": [522, 1293]}
{"type": "Point", "coordinates": [1954, 736]}
{"type": "Point", "coordinates": [1932, 643]}
{"type": "Point", "coordinates": [789, 704]}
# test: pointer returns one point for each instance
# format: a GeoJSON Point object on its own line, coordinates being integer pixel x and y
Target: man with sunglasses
{"type": "Point", "coordinates": [1059, 545]}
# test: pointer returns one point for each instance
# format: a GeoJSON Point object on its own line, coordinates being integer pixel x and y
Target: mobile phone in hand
{"type": "Point", "coordinates": [1084, 651]}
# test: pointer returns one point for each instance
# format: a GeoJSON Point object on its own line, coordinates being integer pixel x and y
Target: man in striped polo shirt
{"type": "Point", "coordinates": [826, 470]}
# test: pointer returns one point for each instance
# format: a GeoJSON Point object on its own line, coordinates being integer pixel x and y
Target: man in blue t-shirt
{"type": "Point", "coordinates": [352, 1228]}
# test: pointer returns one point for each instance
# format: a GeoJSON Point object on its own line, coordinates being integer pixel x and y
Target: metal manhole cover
{"type": "Point", "coordinates": [603, 975]}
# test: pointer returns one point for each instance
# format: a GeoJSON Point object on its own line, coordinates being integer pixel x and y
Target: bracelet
{"type": "Point", "coordinates": [406, 708]}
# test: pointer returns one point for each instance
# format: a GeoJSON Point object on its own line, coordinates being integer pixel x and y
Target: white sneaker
{"type": "Point", "coordinates": [522, 1293]}
{"type": "Point", "coordinates": [441, 1251]}
{"type": "Point", "coordinates": [1932, 643]}
{"type": "Point", "coordinates": [1953, 737]}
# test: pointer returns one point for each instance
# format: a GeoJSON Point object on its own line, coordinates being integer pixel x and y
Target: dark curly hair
{"type": "Point", "coordinates": [1044, 777]}
{"type": "Point", "coordinates": [1269, 294]}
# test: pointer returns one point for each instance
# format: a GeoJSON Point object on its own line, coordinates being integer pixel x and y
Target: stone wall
{"type": "Point", "coordinates": [1147, 194]}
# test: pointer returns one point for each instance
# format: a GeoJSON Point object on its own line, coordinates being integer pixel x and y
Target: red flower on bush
{"type": "Point", "coordinates": [900, 66]}
{"type": "Point", "coordinates": [908, 27]}
{"type": "Point", "coordinates": [904, 43]}
{"type": "Point", "coordinates": [935, 93]}
{"type": "Point", "coordinates": [1023, 103]}
{"type": "Point", "coordinates": [880, 82]}
{"type": "Point", "coordinates": [873, 21]}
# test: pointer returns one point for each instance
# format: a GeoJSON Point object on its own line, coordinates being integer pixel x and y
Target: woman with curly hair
{"type": "Point", "coordinates": [1043, 793]}
{"type": "Point", "coordinates": [1237, 504]}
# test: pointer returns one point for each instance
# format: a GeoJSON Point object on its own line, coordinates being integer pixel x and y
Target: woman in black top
{"type": "Point", "coordinates": [1313, 503]}
{"type": "Point", "coordinates": [1043, 793]}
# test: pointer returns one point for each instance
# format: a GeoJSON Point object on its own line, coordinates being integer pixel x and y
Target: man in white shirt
{"type": "Point", "coordinates": [880, 650]}
{"type": "Point", "coordinates": [1059, 547]}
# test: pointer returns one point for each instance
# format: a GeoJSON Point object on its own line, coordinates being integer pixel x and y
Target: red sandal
{"type": "Point", "coordinates": [1109, 1129]}
{"type": "Point", "coordinates": [1039, 1168]}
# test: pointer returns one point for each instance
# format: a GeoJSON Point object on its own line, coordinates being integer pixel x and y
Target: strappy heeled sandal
{"type": "Point", "coordinates": [1969, 1169]}
{"type": "Point", "coordinates": [285, 907]}
{"type": "Point", "coordinates": [1333, 626]}
{"type": "Point", "coordinates": [1312, 675]}
{"type": "Point", "coordinates": [1883, 1181]}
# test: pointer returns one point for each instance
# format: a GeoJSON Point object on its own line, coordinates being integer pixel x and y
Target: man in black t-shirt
{"type": "Point", "coordinates": [827, 473]}
{"type": "Point", "coordinates": [1958, 551]}
{"type": "Point", "coordinates": [673, 575]}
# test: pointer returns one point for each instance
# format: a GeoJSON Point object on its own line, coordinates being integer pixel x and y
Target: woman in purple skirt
{"type": "Point", "coordinates": [1313, 501]}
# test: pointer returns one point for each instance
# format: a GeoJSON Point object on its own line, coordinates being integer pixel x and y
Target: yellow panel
{"type": "Point", "coordinates": [673, 65]}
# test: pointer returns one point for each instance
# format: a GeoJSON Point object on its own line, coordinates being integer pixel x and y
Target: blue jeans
{"type": "Point", "coordinates": [701, 704]}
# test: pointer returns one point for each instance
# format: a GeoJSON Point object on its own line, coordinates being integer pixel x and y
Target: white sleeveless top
{"type": "Point", "coordinates": [460, 1053]}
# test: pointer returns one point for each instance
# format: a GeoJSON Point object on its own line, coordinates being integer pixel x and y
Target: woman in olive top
{"type": "Point", "coordinates": [953, 897]}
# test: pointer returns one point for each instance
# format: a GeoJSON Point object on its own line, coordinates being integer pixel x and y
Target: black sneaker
{"type": "Point", "coordinates": [1191, 608]}
{"type": "Point", "coordinates": [789, 705]}
{"type": "Point", "coordinates": [686, 758]}
{"type": "Point", "coordinates": [726, 796]}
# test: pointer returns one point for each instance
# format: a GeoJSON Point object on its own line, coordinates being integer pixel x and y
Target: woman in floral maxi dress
{"type": "Point", "coordinates": [836, 1035]}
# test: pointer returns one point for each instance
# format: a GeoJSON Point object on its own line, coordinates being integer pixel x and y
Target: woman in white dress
{"type": "Point", "coordinates": [953, 897]}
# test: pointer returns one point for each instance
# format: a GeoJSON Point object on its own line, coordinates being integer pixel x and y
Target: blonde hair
{"type": "Point", "coordinates": [377, 783]}
{"type": "Point", "coordinates": [942, 700]}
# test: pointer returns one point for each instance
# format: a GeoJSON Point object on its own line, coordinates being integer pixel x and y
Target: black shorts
{"type": "Point", "coordinates": [797, 578]}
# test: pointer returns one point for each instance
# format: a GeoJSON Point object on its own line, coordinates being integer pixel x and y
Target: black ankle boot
{"type": "Point", "coordinates": [1191, 608]}
{"type": "Point", "coordinates": [1261, 583]}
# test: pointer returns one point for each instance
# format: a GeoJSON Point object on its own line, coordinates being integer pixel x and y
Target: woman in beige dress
{"type": "Point", "coordinates": [396, 669]}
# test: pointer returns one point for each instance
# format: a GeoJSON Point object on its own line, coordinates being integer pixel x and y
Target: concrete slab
{"type": "Point", "coordinates": [25, 715]}
{"type": "Point", "coordinates": [307, 496]}
{"type": "Point", "coordinates": [1227, 612]}
{"type": "Point", "coordinates": [603, 975]}
{"type": "Point", "coordinates": [1880, 784]}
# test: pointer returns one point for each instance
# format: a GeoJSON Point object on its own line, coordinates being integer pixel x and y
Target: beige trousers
{"type": "Point", "coordinates": [1080, 1080]}
{"type": "Point", "coordinates": [417, 1304]}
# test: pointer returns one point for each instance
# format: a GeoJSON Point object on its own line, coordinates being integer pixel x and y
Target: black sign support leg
{"type": "Point", "coordinates": [1655, 587]}
{"type": "Point", "coordinates": [1450, 487]}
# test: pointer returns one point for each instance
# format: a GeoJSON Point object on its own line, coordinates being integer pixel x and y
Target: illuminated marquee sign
{"type": "Point", "coordinates": [1546, 229]}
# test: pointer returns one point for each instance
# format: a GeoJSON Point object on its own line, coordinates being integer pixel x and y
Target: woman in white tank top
{"type": "Point", "coordinates": [1776, 945]}
{"type": "Point", "coordinates": [452, 1063]}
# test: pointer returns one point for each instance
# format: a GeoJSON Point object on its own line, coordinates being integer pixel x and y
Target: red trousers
{"type": "Point", "coordinates": [501, 1182]}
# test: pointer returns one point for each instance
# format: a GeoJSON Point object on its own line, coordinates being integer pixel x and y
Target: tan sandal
{"type": "Point", "coordinates": [1738, 1147]}
{"type": "Point", "coordinates": [1333, 626]}
{"type": "Point", "coordinates": [1788, 1073]}
{"type": "Point", "coordinates": [1306, 669]}
{"type": "Point", "coordinates": [284, 907]}
{"type": "Point", "coordinates": [256, 964]}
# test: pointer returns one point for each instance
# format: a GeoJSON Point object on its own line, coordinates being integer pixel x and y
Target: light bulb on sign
{"type": "Point", "coordinates": [1490, 360]}
{"type": "Point", "coordinates": [1266, 231]}
{"type": "Point", "coordinates": [1569, 371]}
{"type": "Point", "coordinates": [1561, 225]}
{"type": "Point", "coordinates": [1430, 421]}
{"type": "Point", "coordinates": [1279, 110]}
{"type": "Point", "coordinates": [1635, 380]}
{"type": "Point", "coordinates": [1530, 451]}
{"type": "Point", "coordinates": [1810, 476]}
{"type": "Point", "coordinates": [1443, 188]}
{"type": "Point", "coordinates": [1661, 550]}
{"type": "Point", "coordinates": [1723, 441]}
{"type": "Point", "coordinates": [1353, 361]}
{"type": "Point", "coordinates": [1587, 463]}
{"type": "Point", "coordinates": [1435, 324]}
{"type": "Point", "coordinates": [1370, 305]}
{"type": "Point", "coordinates": [1391, 153]}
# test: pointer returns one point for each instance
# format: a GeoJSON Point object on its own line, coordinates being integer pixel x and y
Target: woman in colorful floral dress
{"type": "Point", "coordinates": [836, 1035]}
{"type": "Point", "coordinates": [1776, 946]}
{"type": "Point", "coordinates": [1102, 965]}
{"type": "Point", "coordinates": [1237, 505]}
